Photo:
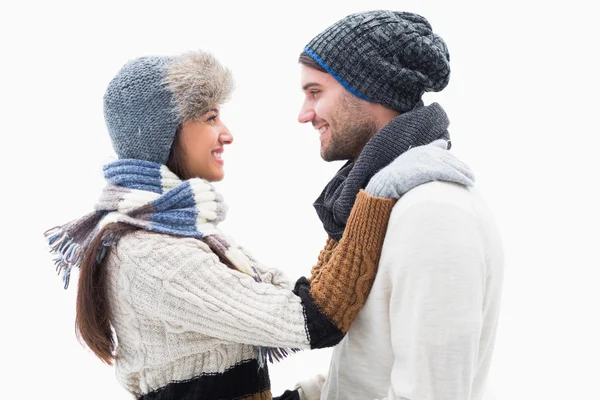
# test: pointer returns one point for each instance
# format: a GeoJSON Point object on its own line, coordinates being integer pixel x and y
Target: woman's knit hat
{"type": "Point", "coordinates": [385, 57]}
{"type": "Point", "coordinates": [150, 97]}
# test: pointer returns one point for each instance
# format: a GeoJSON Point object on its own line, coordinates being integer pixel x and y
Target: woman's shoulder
{"type": "Point", "coordinates": [142, 244]}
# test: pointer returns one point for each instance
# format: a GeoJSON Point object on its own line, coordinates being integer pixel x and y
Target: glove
{"type": "Point", "coordinates": [308, 389]}
{"type": "Point", "coordinates": [288, 395]}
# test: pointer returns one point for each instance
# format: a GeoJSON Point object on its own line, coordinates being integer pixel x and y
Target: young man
{"type": "Point", "coordinates": [428, 327]}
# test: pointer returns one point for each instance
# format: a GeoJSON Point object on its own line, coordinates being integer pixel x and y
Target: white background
{"type": "Point", "coordinates": [523, 104]}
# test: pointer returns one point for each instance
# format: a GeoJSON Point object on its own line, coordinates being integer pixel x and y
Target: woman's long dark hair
{"type": "Point", "coordinates": [92, 320]}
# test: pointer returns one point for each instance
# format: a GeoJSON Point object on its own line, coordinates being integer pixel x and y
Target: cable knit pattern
{"type": "Point", "coordinates": [355, 260]}
{"type": "Point", "coordinates": [190, 327]}
{"type": "Point", "coordinates": [194, 315]}
{"type": "Point", "coordinates": [231, 305]}
{"type": "Point", "coordinates": [159, 341]}
{"type": "Point", "coordinates": [324, 257]}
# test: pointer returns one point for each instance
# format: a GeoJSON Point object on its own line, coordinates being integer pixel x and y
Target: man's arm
{"type": "Point", "coordinates": [438, 271]}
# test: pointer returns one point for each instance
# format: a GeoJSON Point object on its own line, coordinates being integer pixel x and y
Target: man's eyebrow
{"type": "Point", "coordinates": [310, 84]}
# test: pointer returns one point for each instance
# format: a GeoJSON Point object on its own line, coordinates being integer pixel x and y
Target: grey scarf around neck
{"type": "Point", "coordinates": [418, 127]}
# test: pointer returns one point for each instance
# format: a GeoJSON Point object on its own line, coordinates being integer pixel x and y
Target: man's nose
{"type": "Point", "coordinates": [307, 114]}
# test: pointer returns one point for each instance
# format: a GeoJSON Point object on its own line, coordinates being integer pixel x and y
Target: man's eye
{"type": "Point", "coordinates": [314, 92]}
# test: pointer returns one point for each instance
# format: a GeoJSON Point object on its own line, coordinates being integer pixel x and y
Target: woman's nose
{"type": "Point", "coordinates": [226, 137]}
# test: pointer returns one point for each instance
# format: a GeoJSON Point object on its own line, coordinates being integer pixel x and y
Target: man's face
{"type": "Point", "coordinates": [341, 118]}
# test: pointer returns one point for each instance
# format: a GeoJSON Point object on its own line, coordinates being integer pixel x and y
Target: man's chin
{"type": "Point", "coordinates": [329, 158]}
{"type": "Point", "coordinates": [325, 156]}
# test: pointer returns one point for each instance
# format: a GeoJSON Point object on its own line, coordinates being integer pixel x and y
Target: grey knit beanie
{"type": "Point", "coordinates": [385, 57]}
{"type": "Point", "coordinates": [151, 96]}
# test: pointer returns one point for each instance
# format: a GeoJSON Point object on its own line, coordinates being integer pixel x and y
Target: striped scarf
{"type": "Point", "coordinates": [151, 197]}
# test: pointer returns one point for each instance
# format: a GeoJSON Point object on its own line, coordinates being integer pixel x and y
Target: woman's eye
{"type": "Point", "coordinates": [213, 118]}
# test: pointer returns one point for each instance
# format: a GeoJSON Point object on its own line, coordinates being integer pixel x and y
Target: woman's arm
{"type": "Point", "coordinates": [205, 296]}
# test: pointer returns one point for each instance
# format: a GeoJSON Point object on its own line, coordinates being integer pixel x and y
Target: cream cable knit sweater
{"type": "Point", "coordinates": [180, 315]}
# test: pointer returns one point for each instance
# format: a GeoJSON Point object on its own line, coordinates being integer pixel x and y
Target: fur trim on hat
{"type": "Point", "coordinates": [198, 83]}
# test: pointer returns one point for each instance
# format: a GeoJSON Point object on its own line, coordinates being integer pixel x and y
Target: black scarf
{"type": "Point", "coordinates": [418, 127]}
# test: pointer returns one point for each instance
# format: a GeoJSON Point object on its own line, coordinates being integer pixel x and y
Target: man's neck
{"type": "Point", "coordinates": [382, 116]}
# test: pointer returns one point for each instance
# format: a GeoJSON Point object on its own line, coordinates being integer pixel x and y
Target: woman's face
{"type": "Point", "coordinates": [203, 142]}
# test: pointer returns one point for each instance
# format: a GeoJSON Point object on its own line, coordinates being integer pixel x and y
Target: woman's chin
{"type": "Point", "coordinates": [217, 176]}
{"type": "Point", "coordinates": [211, 174]}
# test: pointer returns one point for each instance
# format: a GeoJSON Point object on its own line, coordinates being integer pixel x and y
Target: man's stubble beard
{"type": "Point", "coordinates": [354, 127]}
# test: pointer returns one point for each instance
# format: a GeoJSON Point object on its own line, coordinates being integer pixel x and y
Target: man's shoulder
{"type": "Point", "coordinates": [438, 194]}
{"type": "Point", "coordinates": [442, 209]}
{"type": "Point", "coordinates": [441, 221]}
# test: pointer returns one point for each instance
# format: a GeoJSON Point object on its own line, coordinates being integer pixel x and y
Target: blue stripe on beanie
{"type": "Point", "coordinates": [336, 76]}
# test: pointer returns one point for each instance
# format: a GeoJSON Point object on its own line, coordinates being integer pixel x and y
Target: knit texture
{"type": "Point", "coordinates": [385, 57]}
{"type": "Point", "coordinates": [185, 321]}
{"type": "Point", "coordinates": [149, 196]}
{"type": "Point", "coordinates": [151, 96]}
{"type": "Point", "coordinates": [238, 383]}
{"type": "Point", "coordinates": [185, 314]}
{"type": "Point", "coordinates": [323, 259]}
{"type": "Point", "coordinates": [417, 166]}
{"type": "Point", "coordinates": [428, 328]}
{"type": "Point", "coordinates": [416, 128]}
{"type": "Point", "coordinates": [355, 260]}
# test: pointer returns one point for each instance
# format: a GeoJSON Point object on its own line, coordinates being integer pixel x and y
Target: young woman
{"type": "Point", "coordinates": [182, 311]}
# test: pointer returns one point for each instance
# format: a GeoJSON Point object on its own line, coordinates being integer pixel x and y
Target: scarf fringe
{"type": "Point", "coordinates": [273, 354]}
{"type": "Point", "coordinates": [149, 196]}
{"type": "Point", "coordinates": [67, 254]}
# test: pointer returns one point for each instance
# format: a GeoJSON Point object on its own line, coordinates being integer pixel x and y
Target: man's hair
{"type": "Point", "coordinates": [310, 62]}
